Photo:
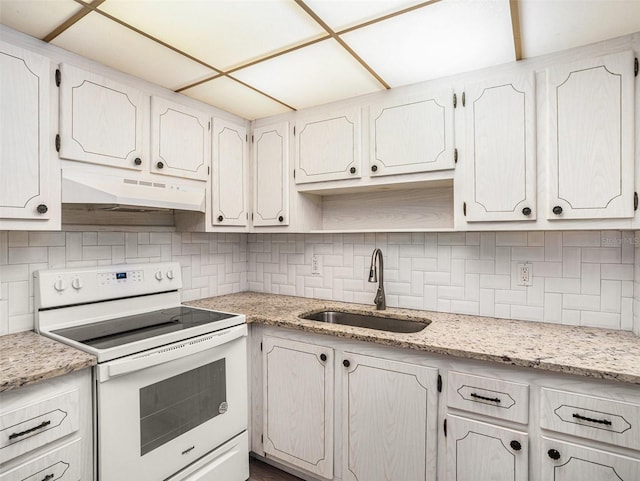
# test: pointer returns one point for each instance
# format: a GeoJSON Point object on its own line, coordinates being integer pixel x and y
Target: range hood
{"type": "Point", "coordinates": [129, 193]}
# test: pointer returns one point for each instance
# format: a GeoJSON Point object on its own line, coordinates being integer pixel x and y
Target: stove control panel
{"type": "Point", "coordinates": [65, 287]}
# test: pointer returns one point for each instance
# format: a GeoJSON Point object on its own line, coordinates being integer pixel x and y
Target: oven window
{"type": "Point", "coordinates": [173, 406]}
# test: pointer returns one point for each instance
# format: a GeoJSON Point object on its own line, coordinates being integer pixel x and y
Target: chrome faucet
{"type": "Point", "coordinates": [379, 300]}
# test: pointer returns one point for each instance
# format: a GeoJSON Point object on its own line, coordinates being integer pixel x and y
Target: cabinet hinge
{"type": "Point", "coordinates": [635, 67]}
{"type": "Point", "coordinates": [247, 216]}
{"type": "Point", "coordinates": [463, 99]}
{"type": "Point", "coordinates": [635, 201]}
{"type": "Point", "coordinates": [455, 101]}
{"type": "Point", "coordinates": [262, 438]}
{"type": "Point", "coordinates": [59, 75]}
{"type": "Point", "coordinates": [439, 383]}
{"type": "Point", "coordinates": [464, 208]}
{"type": "Point", "coordinates": [57, 142]}
{"type": "Point", "coordinates": [261, 346]}
{"type": "Point", "coordinates": [445, 428]}
{"type": "Point", "coordinates": [455, 156]}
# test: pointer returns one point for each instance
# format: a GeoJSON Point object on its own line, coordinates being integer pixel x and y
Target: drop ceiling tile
{"type": "Point", "coordinates": [36, 17]}
{"type": "Point", "coordinates": [549, 26]}
{"type": "Point", "coordinates": [346, 13]}
{"type": "Point", "coordinates": [108, 42]}
{"type": "Point", "coordinates": [313, 75]}
{"type": "Point", "coordinates": [222, 33]}
{"type": "Point", "coordinates": [444, 38]}
{"type": "Point", "coordinates": [229, 95]}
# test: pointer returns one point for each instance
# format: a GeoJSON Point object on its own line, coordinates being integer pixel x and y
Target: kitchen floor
{"type": "Point", "coordinates": [260, 471]}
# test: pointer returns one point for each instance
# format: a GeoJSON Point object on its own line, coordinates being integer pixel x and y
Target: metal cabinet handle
{"type": "Point", "coordinates": [137, 161]}
{"type": "Point", "coordinates": [48, 477]}
{"type": "Point", "coordinates": [346, 363]}
{"type": "Point", "coordinates": [352, 170]}
{"type": "Point", "coordinates": [42, 209]}
{"type": "Point", "coordinates": [160, 165]}
{"type": "Point", "coordinates": [553, 454]}
{"type": "Point", "coordinates": [484, 398]}
{"type": "Point", "coordinates": [323, 357]}
{"type": "Point", "coordinates": [374, 168]}
{"type": "Point", "coordinates": [526, 211]}
{"type": "Point", "coordinates": [515, 445]}
{"type": "Point", "coordinates": [557, 210]}
{"type": "Point", "coordinates": [606, 422]}
{"type": "Point", "coordinates": [281, 219]}
{"type": "Point", "coordinates": [43, 424]}
{"type": "Point", "coordinates": [220, 218]}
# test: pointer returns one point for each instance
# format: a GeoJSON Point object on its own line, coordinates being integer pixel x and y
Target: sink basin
{"type": "Point", "coordinates": [390, 324]}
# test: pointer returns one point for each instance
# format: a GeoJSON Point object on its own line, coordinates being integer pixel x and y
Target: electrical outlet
{"type": "Point", "coordinates": [525, 274]}
{"type": "Point", "coordinates": [316, 265]}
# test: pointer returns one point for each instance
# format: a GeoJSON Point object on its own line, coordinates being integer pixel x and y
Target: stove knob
{"type": "Point", "coordinates": [170, 275]}
{"type": "Point", "coordinates": [159, 275]}
{"type": "Point", "coordinates": [60, 285]}
{"type": "Point", "coordinates": [77, 284]}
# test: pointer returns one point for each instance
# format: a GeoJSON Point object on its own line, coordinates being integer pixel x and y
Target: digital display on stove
{"type": "Point", "coordinates": [121, 275]}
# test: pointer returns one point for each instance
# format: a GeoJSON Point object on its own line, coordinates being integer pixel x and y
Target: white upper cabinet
{"type": "Point", "coordinates": [500, 166]}
{"type": "Point", "coordinates": [591, 138]}
{"type": "Point", "coordinates": [414, 135]}
{"type": "Point", "coordinates": [180, 140]}
{"type": "Point", "coordinates": [102, 121]}
{"type": "Point", "coordinates": [25, 181]}
{"type": "Point", "coordinates": [328, 147]}
{"type": "Point", "coordinates": [271, 175]}
{"type": "Point", "coordinates": [229, 174]}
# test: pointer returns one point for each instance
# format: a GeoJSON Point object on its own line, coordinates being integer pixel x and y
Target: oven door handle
{"type": "Point", "coordinates": [169, 353]}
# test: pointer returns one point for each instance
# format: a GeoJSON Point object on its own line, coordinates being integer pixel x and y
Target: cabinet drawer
{"type": "Point", "coordinates": [38, 423]}
{"type": "Point", "coordinates": [62, 464]}
{"type": "Point", "coordinates": [492, 397]}
{"type": "Point", "coordinates": [591, 417]}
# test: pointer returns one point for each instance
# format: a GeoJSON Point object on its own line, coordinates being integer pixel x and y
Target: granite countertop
{"type": "Point", "coordinates": [27, 357]}
{"type": "Point", "coordinates": [592, 352]}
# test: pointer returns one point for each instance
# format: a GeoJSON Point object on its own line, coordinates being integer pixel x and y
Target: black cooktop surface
{"type": "Point", "coordinates": [124, 330]}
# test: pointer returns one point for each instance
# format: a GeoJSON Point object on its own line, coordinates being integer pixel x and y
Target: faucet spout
{"type": "Point", "coordinates": [376, 258]}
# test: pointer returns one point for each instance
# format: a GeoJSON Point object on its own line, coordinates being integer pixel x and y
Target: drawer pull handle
{"type": "Point", "coordinates": [35, 428]}
{"type": "Point", "coordinates": [553, 454]}
{"type": "Point", "coordinates": [492, 399]}
{"type": "Point", "coordinates": [606, 422]}
{"type": "Point", "coordinates": [48, 477]}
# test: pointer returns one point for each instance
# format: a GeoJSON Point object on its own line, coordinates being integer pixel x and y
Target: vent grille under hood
{"type": "Point", "coordinates": [113, 191]}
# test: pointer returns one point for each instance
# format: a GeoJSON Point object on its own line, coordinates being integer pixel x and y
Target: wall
{"type": "Point", "coordinates": [579, 278]}
{"type": "Point", "coordinates": [212, 264]}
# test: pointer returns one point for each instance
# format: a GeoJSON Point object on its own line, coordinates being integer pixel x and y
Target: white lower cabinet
{"type": "Point", "coordinates": [477, 450]}
{"type": "Point", "coordinates": [562, 461]}
{"type": "Point", "coordinates": [389, 420]}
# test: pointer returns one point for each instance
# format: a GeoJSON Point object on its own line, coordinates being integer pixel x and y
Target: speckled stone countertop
{"type": "Point", "coordinates": [591, 352]}
{"type": "Point", "coordinates": [27, 357]}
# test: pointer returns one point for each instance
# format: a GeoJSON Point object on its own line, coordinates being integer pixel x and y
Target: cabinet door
{"type": "Point", "coordinates": [476, 450]}
{"type": "Point", "coordinates": [180, 140]}
{"type": "Point", "coordinates": [328, 146]}
{"type": "Point", "coordinates": [229, 174]}
{"type": "Point", "coordinates": [500, 167]}
{"type": "Point", "coordinates": [298, 404]}
{"type": "Point", "coordinates": [389, 420]}
{"type": "Point", "coordinates": [415, 135]}
{"type": "Point", "coordinates": [570, 462]}
{"type": "Point", "coordinates": [24, 148]}
{"type": "Point", "coordinates": [102, 121]}
{"type": "Point", "coordinates": [591, 138]}
{"type": "Point", "coordinates": [271, 175]}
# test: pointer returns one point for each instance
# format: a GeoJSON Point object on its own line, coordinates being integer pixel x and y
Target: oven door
{"type": "Point", "coordinates": [161, 410]}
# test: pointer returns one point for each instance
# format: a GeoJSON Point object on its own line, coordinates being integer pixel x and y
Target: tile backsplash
{"type": "Point", "coordinates": [579, 278]}
{"type": "Point", "coordinates": [212, 264]}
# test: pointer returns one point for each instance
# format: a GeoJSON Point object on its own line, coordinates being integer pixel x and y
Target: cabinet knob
{"type": "Point", "coordinates": [281, 219]}
{"type": "Point", "coordinates": [553, 454]}
{"type": "Point", "coordinates": [352, 170]}
{"type": "Point", "coordinates": [526, 211]}
{"type": "Point", "coordinates": [374, 168]}
{"type": "Point", "coordinates": [160, 165]}
{"type": "Point", "coordinates": [557, 210]}
{"type": "Point", "coordinates": [323, 357]}
{"type": "Point", "coordinates": [346, 363]}
{"type": "Point", "coordinates": [42, 209]}
{"type": "Point", "coordinates": [515, 445]}
{"type": "Point", "coordinates": [220, 218]}
{"type": "Point", "coordinates": [137, 161]}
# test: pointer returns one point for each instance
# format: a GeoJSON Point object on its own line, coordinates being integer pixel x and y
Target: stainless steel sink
{"type": "Point", "coordinates": [390, 324]}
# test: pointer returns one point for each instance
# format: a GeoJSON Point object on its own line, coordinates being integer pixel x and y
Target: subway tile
{"type": "Point", "coordinates": [553, 307]}
{"type": "Point", "coordinates": [18, 298]}
{"type": "Point", "coordinates": [535, 293]}
{"type": "Point", "coordinates": [553, 246]}
{"type": "Point", "coordinates": [89, 238]}
{"type": "Point", "coordinates": [457, 272]}
{"type": "Point", "coordinates": [444, 258]}
{"type": "Point", "coordinates": [27, 255]}
{"type": "Point", "coordinates": [487, 245]}
{"type": "Point", "coordinates": [14, 273]}
{"type": "Point", "coordinates": [510, 239]}
{"type": "Point", "coordinates": [465, 307]}
{"type": "Point", "coordinates": [472, 238]}
{"type": "Point", "coordinates": [590, 279]}
{"type": "Point", "coordinates": [503, 311]}
{"type": "Point", "coordinates": [474, 266]}
{"type": "Point", "coordinates": [600, 319]}
{"type": "Point", "coordinates": [527, 313]}
{"type": "Point", "coordinates": [110, 238]}
{"type": "Point", "coordinates": [90, 252]}
{"type": "Point", "coordinates": [487, 302]}
{"type": "Point", "coordinates": [562, 285]}
{"type": "Point", "coordinates": [547, 269]}
{"type": "Point", "coordinates": [472, 287]}
{"type": "Point", "coordinates": [535, 239]}
{"type": "Point", "coordinates": [571, 262]}
{"type": "Point", "coordinates": [527, 254]}
{"type": "Point", "coordinates": [451, 292]}
{"type": "Point", "coordinates": [4, 247]}
{"type": "Point", "coordinates": [18, 239]}
{"type": "Point", "coordinates": [46, 239]}
{"type": "Point", "coordinates": [451, 238]}
{"type": "Point", "coordinates": [611, 296]}
{"type": "Point", "coordinates": [602, 254]}
{"type": "Point", "coordinates": [581, 302]}
{"type": "Point", "coordinates": [73, 246]}
{"type": "Point", "coordinates": [508, 296]}
{"type": "Point", "coordinates": [21, 323]}
{"type": "Point", "coordinates": [493, 281]}
{"type": "Point", "coordinates": [503, 261]}
{"type": "Point", "coordinates": [581, 239]}
{"type": "Point", "coordinates": [430, 298]}
{"type": "Point", "coordinates": [56, 257]}
{"type": "Point", "coordinates": [618, 272]}
{"type": "Point", "coordinates": [570, 317]}
{"type": "Point", "coordinates": [465, 252]}
{"type": "Point", "coordinates": [626, 314]}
